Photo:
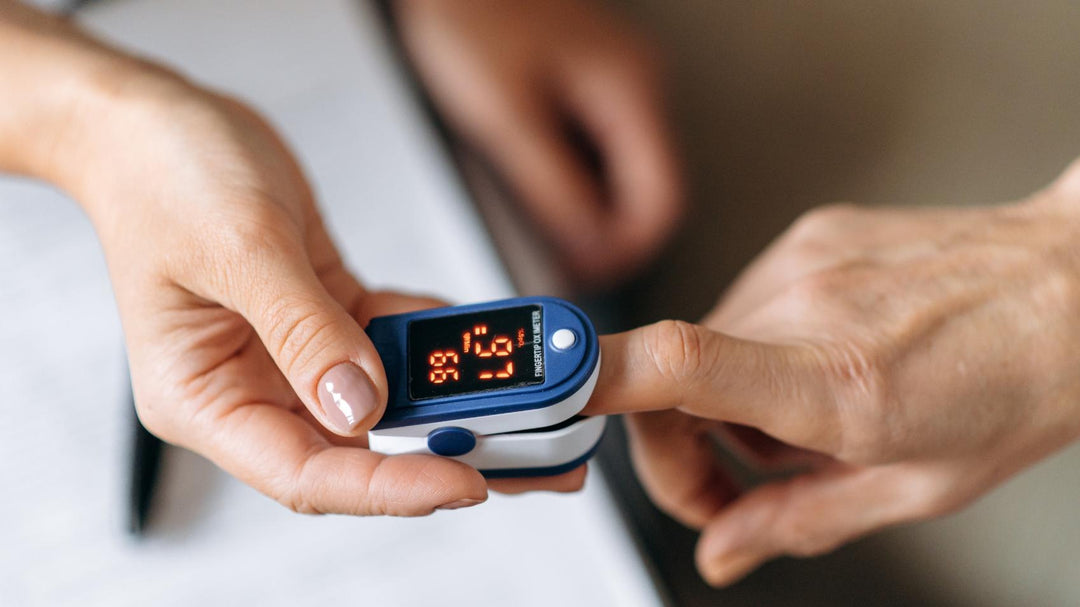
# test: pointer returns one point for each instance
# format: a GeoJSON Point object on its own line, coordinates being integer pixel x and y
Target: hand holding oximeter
{"type": "Point", "coordinates": [496, 385]}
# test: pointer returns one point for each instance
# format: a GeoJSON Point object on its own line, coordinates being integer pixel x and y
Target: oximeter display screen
{"type": "Point", "coordinates": [476, 352]}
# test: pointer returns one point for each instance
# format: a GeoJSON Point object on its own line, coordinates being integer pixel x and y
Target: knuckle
{"type": "Point", "coordinates": [818, 223]}
{"type": "Point", "coordinates": [294, 490]}
{"type": "Point", "coordinates": [853, 291]}
{"type": "Point", "coordinates": [296, 500]}
{"type": "Point", "coordinates": [813, 295]}
{"type": "Point", "coordinates": [866, 403]}
{"type": "Point", "coordinates": [1068, 183]}
{"type": "Point", "coordinates": [811, 291]}
{"type": "Point", "coordinates": [1058, 291]}
{"type": "Point", "coordinates": [836, 213]}
{"type": "Point", "coordinates": [676, 349]}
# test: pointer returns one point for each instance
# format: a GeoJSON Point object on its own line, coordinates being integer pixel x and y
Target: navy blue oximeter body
{"type": "Point", "coordinates": [497, 385]}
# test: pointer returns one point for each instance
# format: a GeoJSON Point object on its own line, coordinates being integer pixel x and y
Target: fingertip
{"type": "Point", "coordinates": [599, 401]}
{"type": "Point", "coordinates": [568, 482]}
{"type": "Point", "coordinates": [721, 555]}
{"type": "Point", "coordinates": [622, 386]}
{"type": "Point", "coordinates": [351, 399]}
{"type": "Point", "coordinates": [720, 571]}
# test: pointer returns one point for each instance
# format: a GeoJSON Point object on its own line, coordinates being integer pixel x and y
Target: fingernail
{"type": "Point", "coordinates": [347, 396]}
{"type": "Point", "coordinates": [461, 503]}
{"type": "Point", "coordinates": [727, 570]}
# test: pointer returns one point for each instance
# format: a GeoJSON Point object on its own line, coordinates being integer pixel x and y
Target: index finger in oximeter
{"type": "Point", "coordinates": [497, 385]}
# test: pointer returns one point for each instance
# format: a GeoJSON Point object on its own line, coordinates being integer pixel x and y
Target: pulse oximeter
{"type": "Point", "coordinates": [496, 385]}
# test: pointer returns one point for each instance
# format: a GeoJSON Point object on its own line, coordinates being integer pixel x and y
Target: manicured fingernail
{"type": "Point", "coordinates": [347, 396]}
{"type": "Point", "coordinates": [461, 503]}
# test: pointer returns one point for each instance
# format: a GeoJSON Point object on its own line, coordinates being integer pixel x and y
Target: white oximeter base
{"type": "Point", "coordinates": [524, 427]}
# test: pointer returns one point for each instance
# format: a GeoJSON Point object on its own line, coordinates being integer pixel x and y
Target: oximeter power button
{"type": "Point", "coordinates": [563, 339]}
{"type": "Point", "coordinates": [451, 441]}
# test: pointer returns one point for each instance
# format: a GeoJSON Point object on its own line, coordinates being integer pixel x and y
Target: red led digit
{"type": "Point", "coordinates": [500, 346]}
{"type": "Point", "coordinates": [506, 373]}
{"type": "Point", "coordinates": [440, 372]}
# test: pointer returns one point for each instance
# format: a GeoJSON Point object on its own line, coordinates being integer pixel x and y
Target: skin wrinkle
{"type": "Point", "coordinates": [216, 421]}
{"type": "Point", "coordinates": [862, 392]}
{"type": "Point", "coordinates": [294, 492]}
{"type": "Point", "coordinates": [207, 336]}
{"type": "Point", "coordinates": [209, 388]}
{"type": "Point", "coordinates": [294, 348]}
{"type": "Point", "coordinates": [175, 408]}
{"type": "Point", "coordinates": [434, 486]}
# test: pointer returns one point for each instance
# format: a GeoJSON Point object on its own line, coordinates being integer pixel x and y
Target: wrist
{"type": "Point", "coordinates": [103, 115]}
{"type": "Point", "coordinates": [65, 91]}
{"type": "Point", "coordinates": [42, 58]}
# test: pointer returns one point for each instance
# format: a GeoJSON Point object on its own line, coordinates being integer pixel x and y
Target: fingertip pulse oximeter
{"type": "Point", "coordinates": [497, 385]}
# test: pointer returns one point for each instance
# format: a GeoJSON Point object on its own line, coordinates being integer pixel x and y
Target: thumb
{"type": "Point", "coordinates": [319, 347]}
{"type": "Point", "coordinates": [778, 389]}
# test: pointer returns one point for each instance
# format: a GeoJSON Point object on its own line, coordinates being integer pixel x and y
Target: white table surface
{"type": "Point", "coordinates": [319, 70]}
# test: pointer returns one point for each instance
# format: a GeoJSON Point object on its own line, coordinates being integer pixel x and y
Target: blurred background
{"type": "Point", "coordinates": [779, 107]}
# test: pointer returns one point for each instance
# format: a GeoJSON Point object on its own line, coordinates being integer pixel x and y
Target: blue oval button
{"type": "Point", "coordinates": [450, 441]}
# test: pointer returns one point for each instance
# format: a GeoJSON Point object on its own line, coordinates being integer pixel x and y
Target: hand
{"type": "Point", "coordinates": [518, 79]}
{"type": "Point", "coordinates": [242, 324]}
{"type": "Point", "coordinates": [913, 359]}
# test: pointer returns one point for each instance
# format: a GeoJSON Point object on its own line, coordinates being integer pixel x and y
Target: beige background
{"type": "Point", "coordinates": [783, 106]}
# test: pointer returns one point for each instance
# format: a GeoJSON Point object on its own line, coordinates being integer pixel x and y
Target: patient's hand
{"type": "Point", "coordinates": [243, 326]}
{"type": "Point", "coordinates": [517, 78]}
{"type": "Point", "coordinates": [911, 360]}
